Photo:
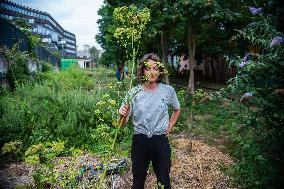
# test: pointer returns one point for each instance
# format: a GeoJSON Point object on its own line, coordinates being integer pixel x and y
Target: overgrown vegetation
{"type": "Point", "coordinates": [260, 83]}
{"type": "Point", "coordinates": [64, 106]}
{"type": "Point", "coordinates": [62, 114]}
{"type": "Point", "coordinates": [17, 70]}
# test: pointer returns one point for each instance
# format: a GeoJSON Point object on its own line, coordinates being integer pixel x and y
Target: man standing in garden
{"type": "Point", "coordinates": [148, 104]}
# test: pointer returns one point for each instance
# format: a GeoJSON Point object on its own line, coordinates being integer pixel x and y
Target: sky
{"type": "Point", "coordinates": [76, 16]}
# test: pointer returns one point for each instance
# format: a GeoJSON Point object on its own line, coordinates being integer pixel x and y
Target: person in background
{"type": "Point", "coordinates": [126, 71]}
{"type": "Point", "coordinates": [148, 107]}
{"type": "Point", "coordinates": [118, 74]}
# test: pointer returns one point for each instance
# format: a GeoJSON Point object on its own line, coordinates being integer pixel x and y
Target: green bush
{"type": "Point", "coordinates": [46, 66]}
{"type": "Point", "coordinates": [17, 72]}
{"type": "Point", "coordinates": [258, 82]}
{"type": "Point", "coordinates": [65, 106]}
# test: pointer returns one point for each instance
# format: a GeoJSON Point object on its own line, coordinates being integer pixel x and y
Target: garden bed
{"type": "Point", "coordinates": [194, 165]}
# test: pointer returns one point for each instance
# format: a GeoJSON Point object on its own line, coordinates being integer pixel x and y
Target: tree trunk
{"type": "Point", "coordinates": [172, 62]}
{"type": "Point", "coordinates": [164, 53]}
{"type": "Point", "coordinates": [191, 53]}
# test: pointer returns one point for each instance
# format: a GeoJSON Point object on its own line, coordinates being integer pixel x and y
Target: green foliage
{"type": "Point", "coordinates": [160, 186]}
{"type": "Point", "coordinates": [44, 152]}
{"type": "Point", "coordinates": [46, 66]}
{"type": "Point", "coordinates": [113, 53]}
{"type": "Point", "coordinates": [121, 28]}
{"type": "Point", "coordinates": [44, 156]}
{"type": "Point", "coordinates": [25, 27]}
{"type": "Point", "coordinates": [199, 94]}
{"type": "Point", "coordinates": [95, 54]}
{"type": "Point", "coordinates": [63, 106]}
{"type": "Point", "coordinates": [72, 78]}
{"type": "Point", "coordinates": [17, 72]}
{"type": "Point", "coordinates": [57, 54]}
{"type": "Point", "coordinates": [260, 74]}
{"type": "Point", "coordinates": [82, 111]}
{"type": "Point", "coordinates": [66, 106]}
{"type": "Point", "coordinates": [131, 24]}
{"type": "Point", "coordinates": [102, 73]}
{"type": "Point", "coordinates": [12, 147]}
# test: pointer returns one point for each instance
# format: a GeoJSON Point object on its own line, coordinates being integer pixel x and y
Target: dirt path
{"type": "Point", "coordinates": [195, 165]}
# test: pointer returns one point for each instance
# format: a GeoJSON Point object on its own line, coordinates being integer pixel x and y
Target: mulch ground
{"type": "Point", "coordinates": [195, 165]}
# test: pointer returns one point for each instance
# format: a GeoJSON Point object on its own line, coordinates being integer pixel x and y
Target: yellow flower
{"type": "Point", "coordinates": [105, 95]}
{"type": "Point", "coordinates": [112, 102]}
{"type": "Point", "coordinates": [97, 111]}
{"type": "Point", "coordinates": [147, 64]}
{"type": "Point", "coordinates": [160, 65]}
{"type": "Point", "coordinates": [114, 123]}
{"type": "Point", "coordinates": [100, 103]}
{"type": "Point", "coordinates": [110, 85]}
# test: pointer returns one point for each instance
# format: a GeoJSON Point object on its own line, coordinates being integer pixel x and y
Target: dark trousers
{"type": "Point", "coordinates": [144, 150]}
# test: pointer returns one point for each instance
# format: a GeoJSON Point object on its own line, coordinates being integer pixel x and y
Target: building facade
{"type": "Point", "coordinates": [53, 35]}
{"type": "Point", "coordinates": [85, 53]}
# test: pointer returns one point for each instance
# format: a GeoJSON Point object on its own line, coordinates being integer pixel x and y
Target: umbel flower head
{"type": "Point", "coordinates": [276, 41]}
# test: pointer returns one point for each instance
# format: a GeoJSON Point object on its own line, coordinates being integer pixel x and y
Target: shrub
{"type": "Point", "coordinates": [258, 83]}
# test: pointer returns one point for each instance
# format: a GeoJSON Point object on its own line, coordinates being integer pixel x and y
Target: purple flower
{"type": "Point", "coordinates": [244, 61]}
{"type": "Point", "coordinates": [276, 41]}
{"type": "Point", "coordinates": [255, 10]}
{"type": "Point", "coordinates": [246, 95]}
{"type": "Point", "coordinates": [246, 57]}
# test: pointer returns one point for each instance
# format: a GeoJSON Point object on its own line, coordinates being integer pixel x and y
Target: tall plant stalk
{"type": "Point", "coordinates": [130, 28]}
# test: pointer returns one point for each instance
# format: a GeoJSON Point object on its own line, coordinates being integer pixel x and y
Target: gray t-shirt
{"type": "Point", "coordinates": [149, 109]}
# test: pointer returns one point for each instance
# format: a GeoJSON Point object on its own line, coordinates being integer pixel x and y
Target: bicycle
{"type": "Point", "coordinates": [93, 170]}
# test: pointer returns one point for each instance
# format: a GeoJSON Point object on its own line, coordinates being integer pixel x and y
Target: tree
{"type": "Point", "coordinates": [112, 54]}
{"type": "Point", "coordinates": [94, 53]}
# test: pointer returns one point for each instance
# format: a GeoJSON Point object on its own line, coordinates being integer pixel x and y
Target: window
{"type": "Point", "coordinates": [70, 51]}
{"type": "Point", "coordinates": [31, 21]}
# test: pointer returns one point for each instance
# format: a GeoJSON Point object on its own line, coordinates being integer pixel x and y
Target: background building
{"type": "Point", "coordinates": [85, 53]}
{"type": "Point", "coordinates": [54, 37]}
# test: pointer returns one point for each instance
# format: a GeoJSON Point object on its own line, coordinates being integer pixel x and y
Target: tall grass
{"type": "Point", "coordinates": [67, 106]}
